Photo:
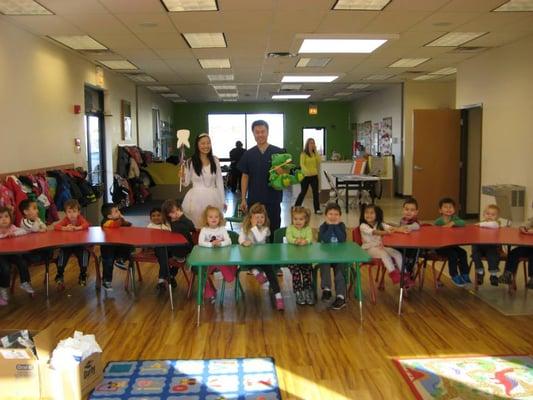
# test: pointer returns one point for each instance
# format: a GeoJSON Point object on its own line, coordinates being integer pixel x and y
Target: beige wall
{"type": "Point", "coordinates": [501, 80]}
{"type": "Point", "coordinates": [473, 170]}
{"type": "Point", "coordinates": [147, 101]}
{"type": "Point", "coordinates": [421, 96]}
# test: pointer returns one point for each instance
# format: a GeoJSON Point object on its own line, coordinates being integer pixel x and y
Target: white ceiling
{"type": "Point", "coordinates": [143, 32]}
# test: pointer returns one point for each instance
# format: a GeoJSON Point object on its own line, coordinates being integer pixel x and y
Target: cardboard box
{"type": "Point", "coordinates": [25, 375]}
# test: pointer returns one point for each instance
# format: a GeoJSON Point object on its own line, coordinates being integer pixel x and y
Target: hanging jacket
{"type": "Point", "coordinates": [13, 184]}
{"type": "Point", "coordinates": [123, 162]}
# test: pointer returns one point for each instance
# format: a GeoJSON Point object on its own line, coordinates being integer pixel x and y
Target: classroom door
{"type": "Point", "coordinates": [436, 158]}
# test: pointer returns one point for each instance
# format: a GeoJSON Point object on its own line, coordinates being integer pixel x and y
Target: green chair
{"type": "Point", "coordinates": [234, 236]}
{"type": "Point", "coordinates": [237, 216]}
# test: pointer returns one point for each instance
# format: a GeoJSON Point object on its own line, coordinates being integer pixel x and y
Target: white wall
{"type": "Point", "coordinates": [385, 103]}
{"type": "Point", "coordinates": [148, 100]}
{"type": "Point", "coordinates": [420, 96]}
{"type": "Point", "coordinates": [501, 80]}
{"type": "Point", "coordinates": [473, 168]}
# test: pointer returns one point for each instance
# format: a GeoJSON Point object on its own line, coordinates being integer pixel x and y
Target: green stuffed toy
{"type": "Point", "coordinates": [280, 173]}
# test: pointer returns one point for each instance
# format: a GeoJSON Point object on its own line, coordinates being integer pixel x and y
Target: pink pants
{"type": "Point", "coordinates": [228, 272]}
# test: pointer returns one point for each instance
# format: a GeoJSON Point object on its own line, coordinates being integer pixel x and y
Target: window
{"type": "Point", "coordinates": [318, 134]}
{"type": "Point", "coordinates": [94, 130]}
{"type": "Point", "coordinates": [226, 129]}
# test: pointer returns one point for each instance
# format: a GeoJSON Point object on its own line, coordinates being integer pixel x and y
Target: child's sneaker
{"type": "Point", "coordinates": [506, 277]}
{"type": "Point", "coordinates": [479, 278]}
{"type": "Point", "coordinates": [466, 279]}
{"type": "Point", "coordinates": [161, 285]}
{"type": "Point", "coordinates": [108, 287]}
{"type": "Point", "coordinates": [309, 297]}
{"type": "Point", "coordinates": [529, 284]}
{"type": "Point", "coordinates": [395, 276]}
{"type": "Point", "coordinates": [457, 280]}
{"type": "Point", "coordinates": [338, 303]}
{"type": "Point", "coordinates": [120, 264]}
{"type": "Point", "coordinates": [326, 295]}
{"type": "Point", "coordinates": [494, 280]}
{"type": "Point", "coordinates": [60, 282]}
{"type": "Point", "coordinates": [280, 305]}
{"type": "Point", "coordinates": [26, 286]}
{"type": "Point", "coordinates": [82, 280]}
{"type": "Point", "coordinates": [300, 299]}
{"type": "Point", "coordinates": [261, 278]}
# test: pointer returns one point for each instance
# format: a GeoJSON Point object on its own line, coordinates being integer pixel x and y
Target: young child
{"type": "Point", "coordinates": [372, 229]}
{"type": "Point", "coordinates": [73, 221]}
{"type": "Point", "coordinates": [333, 230]}
{"type": "Point", "coordinates": [7, 230]}
{"type": "Point", "coordinates": [214, 234]}
{"type": "Point", "coordinates": [156, 220]}
{"type": "Point", "coordinates": [255, 230]}
{"type": "Point", "coordinates": [514, 256]}
{"type": "Point", "coordinates": [113, 219]}
{"type": "Point", "coordinates": [174, 217]}
{"type": "Point", "coordinates": [299, 233]}
{"type": "Point", "coordinates": [456, 255]}
{"type": "Point", "coordinates": [490, 252]}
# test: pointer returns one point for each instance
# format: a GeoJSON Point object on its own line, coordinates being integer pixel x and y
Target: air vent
{"type": "Point", "coordinates": [468, 49]}
{"type": "Point", "coordinates": [278, 54]}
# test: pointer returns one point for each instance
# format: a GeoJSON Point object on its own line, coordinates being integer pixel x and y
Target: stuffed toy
{"type": "Point", "coordinates": [280, 174]}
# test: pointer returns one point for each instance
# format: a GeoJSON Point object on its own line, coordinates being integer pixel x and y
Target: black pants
{"type": "Point", "coordinates": [456, 259]}
{"type": "Point", "coordinates": [174, 251]}
{"type": "Point", "coordinates": [490, 252]}
{"type": "Point", "coordinates": [313, 181]}
{"type": "Point", "coordinates": [514, 257]}
{"type": "Point", "coordinates": [5, 269]}
{"type": "Point", "coordinates": [409, 259]}
{"type": "Point", "coordinates": [110, 254]}
{"type": "Point", "coordinates": [234, 179]}
{"type": "Point", "coordinates": [34, 257]}
{"type": "Point", "coordinates": [274, 215]}
{"type": "Point", "coordinates": [81, 253]}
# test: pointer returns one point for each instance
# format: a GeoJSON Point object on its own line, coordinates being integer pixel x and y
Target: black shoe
{"type": "Point", "coordinates": [338, 303]}
{"type": "Point", "coordinates": [173, 282]}
{"type": "Point", "coordinates": [326, 295]}
{"type": "Point", "coordinates": [494, 280]}
{"type": "Point", "coordinates": [120, 264]}
{"type": "Point", "coordinates": [82, 280]}
{"type": "Point", "coordinates": [506, 277]}
{"type": "Point", "coordinates": [161, 286]}
{"type": "Point", "coordinates": [479, 278]}
{"type": "Point", "coordinates": [107, 286]}
{"type": "Point", "coordinates": [529, 284]}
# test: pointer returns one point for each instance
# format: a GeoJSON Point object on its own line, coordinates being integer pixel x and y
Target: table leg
{"type": "Point", "coordinates": [47, 278]}
{"type": "Point", "coordinates": [346, 193]}
{"type": "Point", "coordinates": [132, 278]}
{"type": "Point", "coordinates": [167, 273]}
{"type": "Point", "coordinates": [200, 292]}
{"type": "Point", "coordinates": [359, 290]}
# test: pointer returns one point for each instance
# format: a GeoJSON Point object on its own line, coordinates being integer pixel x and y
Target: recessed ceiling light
{"type": "Point", "coordinates": [343, 94]}
{"type": "Point", "coordinates": [158, 88]}
{"type": "Point", "coordinates": [23, 7]}
{"type": "Point", "coordinates": [205, 40]}
{"type": "Point", "coordinates": [357, 86]}
{"type": "Point", "coordinates": [225, 87]}
{"type": "Point", "coordinates": [425, 77]}
{"type": "Point", "coordinates": [221, 77]}
{"type": "Point", "coordinates": [445, 71]}
{"type": "Point", "coordinates": [290, 96]}
{"type": "Point", "coordinates": [141, 78]}
{"type": "Point", "coordinates": [226, 95]}
{"type": "Point", "coordinates": [79, 42]}
{"type": "Point", "coordinates": [309, 78]}
{"type": "Point", "coordinates": [340, 45]}
{"type": "Point", "coordinates": [190, 5]}
{"type": "Point", "coordinates": [408, 62]}
{"type": "Point", "coordinates": [206, 63]}
{"type": "Point", "coordinates": [171, 95]}
{"type": "Point", "coordinates": [364, 5]}
{"type": "Point", "coordinates": [379, 77]}
{"type": "Point", "coordinates": [453, 39]}
{"type": "Point", "coordinates": [516, 5]}
{"type": "Point", "coordinates": [312, 62]}
{"type": "Point", "coordinates": [118, 64]}
{"type": "Point", "coordinates": [291, 86]}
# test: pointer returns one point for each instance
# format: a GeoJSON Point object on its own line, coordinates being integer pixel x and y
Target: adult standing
{"type": "Point", "coordinates": [310, 165]}
{"type": "Point", "coordinates": [235, 174]}
{"type": "Point", "coordinates": [255, 166]}
{"type": "Point", "coordinates": [203, 170]}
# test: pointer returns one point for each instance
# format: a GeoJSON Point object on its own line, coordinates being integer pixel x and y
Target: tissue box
{"type": "Point", "coordinates": [25, 375]}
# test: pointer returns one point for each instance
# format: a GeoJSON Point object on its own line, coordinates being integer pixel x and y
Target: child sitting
{"type": "Point", "coordinates": [255, 230]}
{"type": "Point", "coordinates": [7, 230]}
{"type": "Point", "coordinates": [514, 256]}
{"type": "Point", "coordinates": [456, 256]}
{"type": "Point", "coordinates": [299, 233]}
{"type": "Point", "coordinates": [113, 254]}
{"type": "Point", "coordinates": [174, 217]}
{"type": "Point", "coordinates": [156, 220]}
{"type": "Point", "coordinates": [490, 252]}
{"type": "Point", "coordinates": [409, 223]}
{"type": "Point", "coordinates": [73, 221]}
{"type": "Point", "coordinates": [333, 231]}
{"type": "Point", "coordinates": [214, 234]}
{"type": "Point", "coordinates": [372, 229]}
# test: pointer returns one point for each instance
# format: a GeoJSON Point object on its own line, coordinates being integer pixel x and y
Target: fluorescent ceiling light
{"type": "Point", "coordinates": [408, 62]}
{"type": "Point", "coordinates": [425, 77]}
{"type": "Point", "coordinates": [206, 63]}
{"type": "Point", "coordinates": [221, 77]}
{"type": "Point", "coordinates": [225, 95]}
{"type": "Point", "coordinates": [23, 7]}
{"type": "Point", "coordinates": [357, 86]}
{"type": "Point", "coordinates": [379, 77]}
{"type": "Point", "coordinates": [158, 88]}
{"type": "Point", "coordinates": [190, 5]}
{"type": "Point", "coordinates": [144, 78]}
{"type": "Point", "coordinates": [340, 45]}
{"type": "Point", "coordinates": [516, 5]}
{"type": "Point", "coordinates": [312, 62]}
{"type": "Point", "coordinates": [445, 71]}
{"type": "Point", "coordinates": [291, 86]}
{"type": "Point", "coordinates": [171, 95]}
{"type": "Point", "coordinates": [309, 78]}
{"type": "Point", "coordinates": [225, 87]}
{"type": "Point", "coordinates": [364, 5]}
{"type": "Point", "coordinates": [290, 96]}
{"type": "Point", "coordinates": [118, 64]}
{"type": "Point", "coordinates": [343, 94]}
{"type": "Point", "coordinates": [82, 42]}
{"type": "Point", "coordinates": [205, 40]}
{"type": "Point", "coordinates": [453, 39]}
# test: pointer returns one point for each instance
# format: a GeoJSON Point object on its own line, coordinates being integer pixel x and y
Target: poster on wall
{"type": "Point", "coordinates": [364, 135]}
{"type": "Point", "coordinates": [376, 130]}
{"type": "Point", "coordinates": [385, 142]}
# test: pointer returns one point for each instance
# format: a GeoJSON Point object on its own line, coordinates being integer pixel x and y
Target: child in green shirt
{"type": "Point", "coordinates": [299, 233]}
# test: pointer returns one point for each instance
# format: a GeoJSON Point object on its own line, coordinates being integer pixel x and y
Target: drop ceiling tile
{"type": "Point", "coordinates": [395, 21]}
{"type": "Point", "coordinates": [134, 6]}
{"type": "Point", "coordinates": [498, 38]}
{"type": "Point", "coordinates": [415, 5]}
{"type": "Point", "coordinates": [98, 24]}
{"type": "Point", "coordinates": [471, 5]}
{"type": "Point", "coordinates": [62, 7]}
{"type": "Point", "coordinates": [166, 41]}
{"type": "Point", "coordinates": [493, 22]}
{"type": "Point", "coordinates": [444, 21]}
{"type": "Point", "coordinates": [297, 21]}
{"type": "Point", "coordinates": [147, 23]}
{"type": "Point", "coordinates": [119, 42]}
{"type": "Point", "coordinates": [44, 25]}
{"type": "Point", "coordinates": [346, 21]}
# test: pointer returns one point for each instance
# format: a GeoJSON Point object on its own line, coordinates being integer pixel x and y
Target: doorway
{"type": "Point", "coordinates": [319, 136]}
{"type": "Point", "coordinates": [156, 133]}
{"type": "Point", "coordinates": [95, 138]}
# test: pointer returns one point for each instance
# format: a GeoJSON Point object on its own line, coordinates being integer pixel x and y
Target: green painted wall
{"type": "Point", "coordinates": [334, 116]}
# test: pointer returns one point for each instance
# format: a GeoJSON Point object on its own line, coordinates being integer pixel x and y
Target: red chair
{"type": "Point", "coordinates": [421, 267]}
{"type": "Point", "coordinates": [375, 262]}
{"type": "Point", "coordinates": [512, 286]}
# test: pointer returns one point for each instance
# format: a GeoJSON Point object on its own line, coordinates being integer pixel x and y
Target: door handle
{"type": "Point", "coordinates": [417, 168]}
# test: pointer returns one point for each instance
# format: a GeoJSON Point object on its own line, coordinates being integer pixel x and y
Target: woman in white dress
{"type": "Point", "coordinates": [203, 170]}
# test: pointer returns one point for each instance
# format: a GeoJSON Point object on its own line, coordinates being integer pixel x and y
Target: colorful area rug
{"type": "Point", "coordinates": [469, 377]}
{"type": "Point", "coordinates": [217, 379]}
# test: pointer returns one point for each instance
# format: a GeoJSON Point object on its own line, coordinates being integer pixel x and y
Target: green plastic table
{"type": "Point", "coordinates": [276, 254]}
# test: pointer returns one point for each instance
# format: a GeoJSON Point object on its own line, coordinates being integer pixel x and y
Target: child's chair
{"type": "Point", "coordinates": [237, 216]}
{"type": "Point", "coordinates": [375, 262]}
{"type": "Point", "coordinates": [502, 257]}
{"type": "Point", "coordinates": [421, 267]}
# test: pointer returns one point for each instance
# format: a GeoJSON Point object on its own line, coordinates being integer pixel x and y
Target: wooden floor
{"type": "Point", "coordinates": [319, 354]}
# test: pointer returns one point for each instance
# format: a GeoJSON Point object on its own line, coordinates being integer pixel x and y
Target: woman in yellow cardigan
{"type": "Point", "coordinates": [310, 165]}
